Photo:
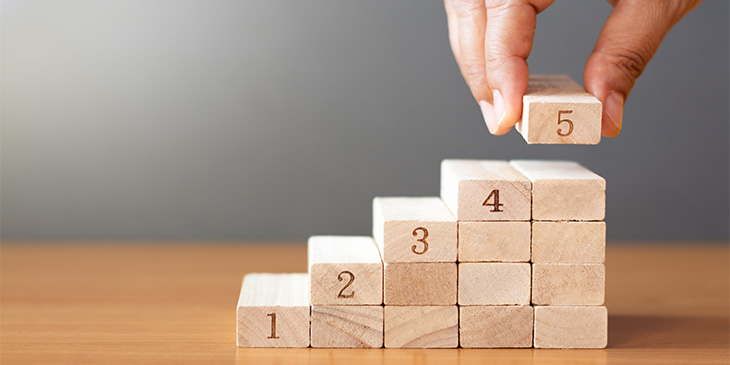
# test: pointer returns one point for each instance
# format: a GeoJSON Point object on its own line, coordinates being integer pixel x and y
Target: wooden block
{"type": "Point", "coordinates": [347, 326]}
{"type": "Point", "coordinates": [487, 283]}
{"type": "Point", "coordinates": [273, 311]}
{"type": "Point", "coordinates": [556, 110]}
{"type": "Point", "coordinates": [569, 242]}
{"type": "Point", "coordinates": [495, 326]}
{"type": "Point", "coordinates": [345, 270]}
{"type": "Point", "coordinates": [414, 230]}
{"type": "Point", "coordinates": [564, 190]}
{"type": "Point", "coordinates": [485, 190]}
{"type": "Point", "coordinates": [421, 327]}
{"type": "Point", "coordinates": [571, 327]}
{"type": "Point", "coordinates": [568, 284]}
{"type": "Point", "coordinates": [494, 241]}
{"type": "Point", "coordinates": [432, 283]}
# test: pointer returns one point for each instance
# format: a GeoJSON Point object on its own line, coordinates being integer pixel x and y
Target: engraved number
{"type": "Point", "coordinates": [561, 132]}
{"type": "Point", "coordinates": [273, 326]}
{"type": "Point", "coordinates": [496, 205]}
{"type": "Point", "coordinates": [352, 278]}
{"type": "Point", "coordinates": [414, 248]}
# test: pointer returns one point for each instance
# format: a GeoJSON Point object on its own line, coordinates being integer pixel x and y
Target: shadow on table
{"type": "Point", "coordinates": [655, 332]}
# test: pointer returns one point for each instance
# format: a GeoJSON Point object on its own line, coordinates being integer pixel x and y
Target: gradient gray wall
{"type": "Point", "coordinates": [282, 119]}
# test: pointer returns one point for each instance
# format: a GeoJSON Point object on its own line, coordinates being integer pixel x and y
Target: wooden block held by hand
{"type": "Point", "coordinates": [568, 284]}
{"type": "Point", "coordinates": [485, 190]}
{"type": "Point", "coordinates": [273, 311]}
{"type": "Point", "coordinates": [569, 242]}
{"type": "Point", "coordinates": [347, 326]}
{"type": "Point", "coordinates": [432, 283]}
{"type": "Point", "coordinates": [571, 327]}
{"type": "Point", "coordinates": [345, 270]}
{"type": "Point", "coordinates": [414, 230]}
{"type": "Point", "coordinates": [421, 326]}
{"type": "Point", "coordinates": [556, 110]}
{"type": "Point", "coordinates": [495, 326]}
{"type": "Point", "coordinates": [488, 283]}
{"type": "Point", "coordinates": [494, 241]}
{"type": "Point", "coordinates": [564, 190]}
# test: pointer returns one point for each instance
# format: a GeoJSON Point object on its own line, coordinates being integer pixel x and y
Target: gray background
{"type": "Point", "coordinates": [282, 119]}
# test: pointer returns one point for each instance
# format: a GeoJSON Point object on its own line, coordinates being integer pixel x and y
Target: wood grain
{"type": "Point", "coordinates": [488, 283]}
{"type": "Point", "coordinates": [347, 326]}
{"type": "Point", "coordinates": [432, 283]}
{"type": "Point", "coordinates": [494, 241]}
{"type": "Point", "coordinates": [571, 327]}
{"type": "Point", "coordinates": [569, 242]}
{"type": "Point", "coordinates": [568, 284]}
{"type": "Point", "coordinates": [495, 326]}
{"type": "Point", "coordinates": [421, 326]}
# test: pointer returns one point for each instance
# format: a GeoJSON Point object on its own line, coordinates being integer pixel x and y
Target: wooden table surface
{"type": "Point", "coordinates": [104, 302]}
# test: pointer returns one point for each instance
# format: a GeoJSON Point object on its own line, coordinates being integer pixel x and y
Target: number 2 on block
{"type": "Point", "coordinates": [496, 205]}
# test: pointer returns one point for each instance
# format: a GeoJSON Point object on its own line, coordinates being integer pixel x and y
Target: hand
{"type": "Point", "coordinates": [491, 40]}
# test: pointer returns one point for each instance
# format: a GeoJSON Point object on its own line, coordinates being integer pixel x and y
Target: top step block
{"type": "Point", "coordinates": [564, 190]}
{"type": "Point", "coordinates": [556, 110]}
{"type": "Point", "coordinates": [485, 190]}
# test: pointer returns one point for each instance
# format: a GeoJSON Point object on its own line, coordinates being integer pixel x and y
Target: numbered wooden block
{"type": "Point", "coordinates": [495, 326]}
{"type": "Point", "coordinates": [569, 242]}
{"type": "Point", "coordinates": [488, 283]}
{"type": "Point", "coordinates": [571, 327]}
{"type": "Point", "coordinates": [345, 270]}
{"type": "Point", "coordinates": [347, 326]}
{"type": "Point", "coordinates": [485, 190]}
{"type": "Point", "coordinates": [568, 284]}
{"type": "Point", "coordinates": [421, 327]}
{"type": "Point", "coordinates": [564, 191]}
{"type": "Point", "coordinates": [494, 241]}
{"type": "Point", "coordinates": [273, 311]}
{"type": "Point", "coordinates": [414, 230]}
{"type": "Point", "coordinates": [556, 110]}
{"type": "Point", "coordinates": [431, 283]}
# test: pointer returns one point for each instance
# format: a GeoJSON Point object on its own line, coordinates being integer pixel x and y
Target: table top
{"type": "Point", "coordinates": [176, 302]}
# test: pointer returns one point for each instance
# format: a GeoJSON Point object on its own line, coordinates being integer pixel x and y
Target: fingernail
{"type": "Point", "coordinates": [615, 108]}
{"type": "Point", "coordinates": [488, 113]}
{"type": "Point", "coordinates": [498, 106]}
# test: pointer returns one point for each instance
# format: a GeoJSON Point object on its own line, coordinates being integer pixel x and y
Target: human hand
{"type": "Point", "coordinates": [491, 40]}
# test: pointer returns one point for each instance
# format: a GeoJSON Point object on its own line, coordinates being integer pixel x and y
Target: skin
{"type": "Point", "coordinates": [491, 40]}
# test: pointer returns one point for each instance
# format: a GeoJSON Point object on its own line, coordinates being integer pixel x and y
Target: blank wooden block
{"type": "Point", "coordinates": [414, 230]}
{"type": "Point", "coordinates": [494, 241]}
{"type": "Point", "coordinates": [556, 110]}
{"type": "Point", "coordinates": [571, 327]}
{"type": "Point", "coordinates": [564, 190]}
{"type": "Point", "coordinates": [495, 326]}
{"type": "Point", "coordinates": [494, 283]}
{"type": "Point", "coordinates": [347, 326]}
{"type": "Point", "coordinates": [345, 270]}
{"type": "Point", "coordinates": [431, 283]}
{"type": "Point", "coordinates": [485, 190]}
{"type": "Point", "coordinates": [421, 327]}
{"type": "Point", "coordinates": [569, 242]}
{"type": "Point", "coordinates": [273, 311]}
{"type": "Point", "coordinates": [568, 284]}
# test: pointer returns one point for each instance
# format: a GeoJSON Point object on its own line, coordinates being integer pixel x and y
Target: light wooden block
{"type": "Point", "coordinates": [414, 230]}
{"type": "Point", "coordinates": [273, 311]}
{"type": "Point", "coordinates": [564, 190]}
{"type": "Point", "coordinates": [495, 326]}
{"type": "Point", "coordinates": [347, 326]}
{"type": "Point", "coordinates": [487, 283]}
{"type": "Point", "coordinates": [494, 241]}
{"type": "Point", "coordinates": [569, 242]}
{"type": "Point", "coordinates": [421, 327]}
{"type": "Point", "coordinates": [556, 110]}
{"type": "Point", "coordinates": [345, 270]}
{"type": "Point", "coordinates": [568, 284]}
{"type": "Point", "coordinates": [432, 283]}
{"type": "Point", "coordinates": [571, 327]}
{"type": "Point", "coordinates": [485, 190]}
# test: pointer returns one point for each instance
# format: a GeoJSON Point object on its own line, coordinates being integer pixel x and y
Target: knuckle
{"type": "Point", "coordinates": [464, 8]}
{"type": "Point", "coordinates": [630, 62]}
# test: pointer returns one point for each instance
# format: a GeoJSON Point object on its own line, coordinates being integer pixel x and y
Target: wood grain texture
{"type": "Point", "coordinates": [347, 326]}
{"type": "Point", "coordinates": [571, 327]}
{"type": "Point", "coordinates": [273, 311]}
{"type": "Point", "coordinates": [564, 190]}
{"type": "Point", "coordinates": [494, 283]}
{"type": "Point", "coordinates": [568, 284]}
{"type": "Point", "coordinates": [344, 270]}
{"type": "Point", "coordinates": [569, 242]}
{"type": "Point", "coordinates": [467, 187]}
{"type": "Point", "coordinates": [432, 283]}
{"type": "Point", "coordinates": [494, 241]}
{"type": "Point", "coordinates": [421, 326]}
{"type": "Point", "coordinates": [495, 326]}
{"type": "Point", "coordinates": [420, 229]}
{"type": "Point", "coordinates": [556, 110]}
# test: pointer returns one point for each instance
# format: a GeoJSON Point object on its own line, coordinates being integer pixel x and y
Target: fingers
{"type": "Point", "coordinates": [470, 17]}
{"type": "Point", "coordinates": [627, 42]}
{"type": "Point", "coordinates": [453, 28]}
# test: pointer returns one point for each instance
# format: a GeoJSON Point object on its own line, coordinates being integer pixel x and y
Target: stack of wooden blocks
{"type": "Point", "coordinates": [510, 256]}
